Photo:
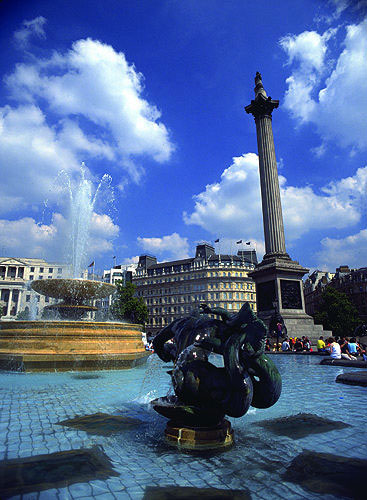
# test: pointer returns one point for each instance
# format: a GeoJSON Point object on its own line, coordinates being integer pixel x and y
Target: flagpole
{"type": "Point", "coordinates": [217, 241]}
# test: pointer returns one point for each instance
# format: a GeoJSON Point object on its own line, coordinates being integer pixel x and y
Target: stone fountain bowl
{"type": "Point", "coordinates": [74, 291]}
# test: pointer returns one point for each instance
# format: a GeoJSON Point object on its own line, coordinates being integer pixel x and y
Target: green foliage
{"type": "Point", "coordinates": [128, 307]}
{"type": "Point", "coordinates": [337, 313]}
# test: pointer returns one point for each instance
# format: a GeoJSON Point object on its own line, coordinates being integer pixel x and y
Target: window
{"type": "Point", "coordinates": [51, 270]}
{"type": "Point", "coordinates": [32, 269]}
{"type": "Point", "coordinates": [27, 298]}
{"type": "Point", "coordinates": [41, 269]}
{"type": "Point", "coordinates": [47, 299]}
{"type": "Point", "coordinates": [59, 270]}
{"type": "Point", "coordinates": [50, 277]}
{"type": "Point", "coordinates": [31, 277]}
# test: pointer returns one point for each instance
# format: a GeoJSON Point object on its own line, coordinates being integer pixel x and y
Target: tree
{"type": "Point", "coordinates": [337, 313]}
{"type": "Point", "coordinates": [128, 307]}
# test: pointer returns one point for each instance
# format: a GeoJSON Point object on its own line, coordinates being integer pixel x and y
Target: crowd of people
{"type": "Point", "coordinates": [342, 347]}
{"type": "Point", "coordinates": [337, 347]}
{"type": "Point", "coordinates": [296, 344]}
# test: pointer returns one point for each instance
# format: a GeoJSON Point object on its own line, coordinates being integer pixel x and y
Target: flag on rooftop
{"type": "Point", "coordinates": [91, 264]}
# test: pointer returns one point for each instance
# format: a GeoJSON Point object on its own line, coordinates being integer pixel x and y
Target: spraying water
{"type": "Point", "coordinates": [82, 202]}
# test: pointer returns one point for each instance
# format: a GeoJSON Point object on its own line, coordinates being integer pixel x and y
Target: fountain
{"type": "Point", "coordinates": [204, 392]}
{"type": "Point", "coordinates": [68, 342]}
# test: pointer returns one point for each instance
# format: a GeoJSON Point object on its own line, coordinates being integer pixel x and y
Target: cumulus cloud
{"type": "Point", "coordinates": [130, 261]}
{"type": "Point", "coordinates": [173, 245]}
{"type": "Point", "coordinates": [232, 206]}
{"type": "Point", "coordinates": [58, 101]}
{"type": "Point", "coordinates": [26, 238]}
{"type": "Point", "coordinates": [332, 96]}
{"type": "Point", "coordinates": [94, 81]}
{"type": "Point", "coordinates": [351, 251]}
{"type": "Point", "coordinates": [31, 155]}
{"type": "Point", "coordinates": [35, 27]}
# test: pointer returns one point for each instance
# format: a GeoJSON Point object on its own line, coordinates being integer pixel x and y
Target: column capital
{"type": "Point", "coordinates": [262, 105]}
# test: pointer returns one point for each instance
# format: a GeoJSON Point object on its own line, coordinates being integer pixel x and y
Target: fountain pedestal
{"type": "Point", "coordinates": [193, 427]}
{"type": "Point", "coordinates": [200, 438]}
{"type": "Point", "coordinates": [70, 345]}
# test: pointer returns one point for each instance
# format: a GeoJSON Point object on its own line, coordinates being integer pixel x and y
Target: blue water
{"type": "Point", "coordinates": [33, 404]}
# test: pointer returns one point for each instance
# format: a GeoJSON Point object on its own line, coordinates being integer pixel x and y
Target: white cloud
{"type": "Point", "coordinates": [128, 261]}
{"type": "Point", "coordinates": [94, 81]}
{"type": "Point", "coordinates": [25, 238]}
{"type": "Point", "coordinates": [29, 29]}
{"type": "Point", "coordinates": [351, 251]}
{"type": "Point", "coordinates": [174, 245]}
{"type": "Point", "coordinates": [232, 207]}
{"type": "Point", "coordinates": [229, 246]}
{"type": "Point", "coordinates": [58, 102]}
{"type": "Point", "coordinates": [308, 48]}
{"type": "Point", "coordinates": [331, 96]}
{"type": "Point", "coordinates": [31, 155]}
{"type": "Point", "coordinates": [342, 5]}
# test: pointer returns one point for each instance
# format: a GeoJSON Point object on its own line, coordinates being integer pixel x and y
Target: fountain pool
{"type": "Point", "coordinates": [128, 435]}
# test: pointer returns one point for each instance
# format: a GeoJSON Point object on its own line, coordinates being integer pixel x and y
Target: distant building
{"type": "Point", "coordinates": [116, 273]}
{"type": "Point", "coordinates": [16, 274]}
{"type": "Point", "coordinates": [177, 288]}
{"type": "Point", "coordinates": [313, 287]}
{"type": "Point", "coordinates": [353, 282]}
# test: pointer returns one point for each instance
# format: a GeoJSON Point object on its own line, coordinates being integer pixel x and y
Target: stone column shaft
{"type": "Point", "coordinates": [270, 192]}
{"type": "Point", "coordinates": [8, 307]}
{"type": "Point", "coordinates": [18, 302]}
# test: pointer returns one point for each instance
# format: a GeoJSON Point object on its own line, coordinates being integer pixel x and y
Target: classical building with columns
{"type": "Point", "coordinates": [15, 276]}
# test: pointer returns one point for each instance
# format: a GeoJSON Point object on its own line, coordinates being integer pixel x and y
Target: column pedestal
{"type": "Point", "coordinates": [280, 280]}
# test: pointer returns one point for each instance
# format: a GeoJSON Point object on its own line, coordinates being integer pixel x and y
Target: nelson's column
{"type": "Point", "coordinates": [278, 278]}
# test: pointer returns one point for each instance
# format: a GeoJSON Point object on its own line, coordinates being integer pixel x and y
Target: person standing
{"type": "Point", "coordinates": [285, 345]}
{"type": "Point", "coordinates": [279, 329]}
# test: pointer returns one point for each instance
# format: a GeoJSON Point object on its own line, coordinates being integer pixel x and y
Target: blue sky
{"type": "Point", "coordinates": [152, 92]}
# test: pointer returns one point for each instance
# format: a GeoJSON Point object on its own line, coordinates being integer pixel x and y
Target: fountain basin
{"type": "Point", "coordinates": [70, 345]}
{"type": "Point", "coordinates": [74, 290]}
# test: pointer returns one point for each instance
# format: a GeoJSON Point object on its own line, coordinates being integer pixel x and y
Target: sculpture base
{"type": "Point", "coordinates": [200, 438]}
